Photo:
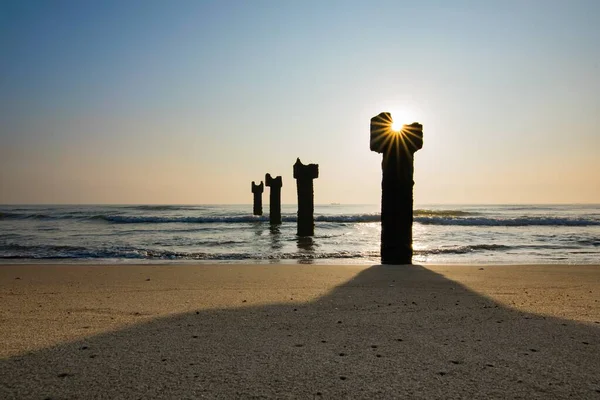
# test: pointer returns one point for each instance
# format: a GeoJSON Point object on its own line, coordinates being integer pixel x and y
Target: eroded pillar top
{"type": "Point", "coordinates": [273, 182]}
{"type": "Point", "coordinates": [301, 171]}
{"type": "Point", "coordinates": [385, 140]}
{"type": "Point", "coordinates": [258, 188]}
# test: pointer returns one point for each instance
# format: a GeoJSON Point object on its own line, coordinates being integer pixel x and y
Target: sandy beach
{"type": "Point", "coordinates": [299, 331]}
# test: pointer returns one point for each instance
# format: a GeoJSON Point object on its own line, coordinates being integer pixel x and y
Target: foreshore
{"type": "Point", "coordinates": [299, 331]}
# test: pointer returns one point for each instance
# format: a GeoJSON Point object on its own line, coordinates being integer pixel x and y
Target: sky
{"type": "Point", "coordinates": [188, 102]}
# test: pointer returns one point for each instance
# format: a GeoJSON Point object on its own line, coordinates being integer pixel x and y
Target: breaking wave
{"type": "Point", "coordinates": [49, 252]}
{"type": "Point", "coordinates": [425, 217]}
{"type": "Point", "coordinates": [358, 218]}
{"type": "Point", "coordinates": [463, 249]}
{"type": "Point", "coordinates": [521, 221]}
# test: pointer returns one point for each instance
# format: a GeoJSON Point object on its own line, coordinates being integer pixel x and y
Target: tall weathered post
{"type": "Point", "coordinates": [274, 198]}
{"type": "Point", "coordinates": [398, 148]}
{"type": "Point", "coordinates": [304, 175]}
{"type": "Point", "coordinates": [257, 190]}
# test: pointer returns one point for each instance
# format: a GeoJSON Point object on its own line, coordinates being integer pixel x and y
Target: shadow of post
{"type": "Point", "coordinates": [390, 332]}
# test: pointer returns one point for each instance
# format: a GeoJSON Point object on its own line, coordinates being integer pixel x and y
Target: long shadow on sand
{"type": "Point", "coordinates": [391, 332]}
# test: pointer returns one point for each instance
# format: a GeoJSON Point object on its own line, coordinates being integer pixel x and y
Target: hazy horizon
{"type": "Point", "coordinates": [266, 204]}
{"type": "Point", "coordinates": [188, 102]}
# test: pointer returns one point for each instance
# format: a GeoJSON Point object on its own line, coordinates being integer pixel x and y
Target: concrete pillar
{"type": "Point", "coordinates": [257, 190]}
{"type": "Point", "coordinates": [304, 175]}
{"type": "Point", "coordinates": [275, 198]}
{"type": "Point", "coordinates": [398, 148]}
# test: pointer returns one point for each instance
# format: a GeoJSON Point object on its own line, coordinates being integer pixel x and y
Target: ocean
{"type": "Point", "coordinates": [486, 234]}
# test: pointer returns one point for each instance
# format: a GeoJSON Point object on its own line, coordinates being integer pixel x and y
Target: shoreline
{"type": "Point", "coordinates": [308, 261]}
{"type": "Point", "coordinates": [289, 330]}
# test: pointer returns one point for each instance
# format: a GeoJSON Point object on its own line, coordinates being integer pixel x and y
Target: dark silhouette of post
{"type": "Point", "coordinates": [398, 148]}
{"type": "Point", "coordinates": [257, 190]}
{"type": "Point", "coordinates": [304, 175]}
{"type": "Point", "coordinates": [274, 198]}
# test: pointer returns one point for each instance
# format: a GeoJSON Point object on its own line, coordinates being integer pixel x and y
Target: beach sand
{"type": "Point", "coordinates": [299, 331]}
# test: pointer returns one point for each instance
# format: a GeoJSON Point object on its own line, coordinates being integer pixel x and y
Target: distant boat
{"type": "Point", "coordinates": [334, 204]}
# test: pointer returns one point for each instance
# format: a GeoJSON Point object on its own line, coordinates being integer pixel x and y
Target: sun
{"type": "Point", "coordinates": [402, 116]}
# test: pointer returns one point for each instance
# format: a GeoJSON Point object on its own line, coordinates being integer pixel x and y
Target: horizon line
{"type": "Point", "coordinates": [291, 204]}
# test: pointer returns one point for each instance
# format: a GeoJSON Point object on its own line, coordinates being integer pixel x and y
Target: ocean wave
{"type": "Point", "coordinates": [134, 219]}
{"type": "Point", "coordinates": [521, 221]}
{"type": "Point", "coordinates": [80, 214]}
{"type": "Point", "coordinates": [43, 248]}
{"type": "Point", "coordinates": [462, 249]}
{"type": "Point", "coordinates": [183, 241]}
{"type": "Point", "coordinates": [65, 252]}
{"type": "Point", "coordinates": [38, 216]}
{"type": "Point", "coordinates": [41, 252]}
{"type": "Point", "coordinates": [425, 217]}
{"type": "Point", "coordinates": [362, 218]}
{"type": "Point", "coordinates": [13, 215]}
{"type": "Point", "coordinates": [165, 207]}
{"type": "Point", "coordinates": [589, 242]}
{"type": "Point", "coordinates": [346, 218]}
{"type": "Point", "coordinates": [489, 247]}
{"type": "Point", "coordinates": [51, 252]}
{"type": "Point", "coordinates": [442, 213]}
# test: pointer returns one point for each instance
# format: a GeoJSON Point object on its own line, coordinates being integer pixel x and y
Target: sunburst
{"type": "Point", "coordinates": [396, 135]}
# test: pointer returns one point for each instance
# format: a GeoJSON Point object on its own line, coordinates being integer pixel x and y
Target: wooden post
{"type": "Point", "coordinates": [304, 175]}
{"type": "Point", "coordinates": [257, 190]}
{"type": "Point", "coordinates": [398, 148]}
{"type": "Point", "coordinates": [275, 198]}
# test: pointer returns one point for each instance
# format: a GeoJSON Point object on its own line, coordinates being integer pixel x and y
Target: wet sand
{"type": "Point", "coordinates": [299, 331]}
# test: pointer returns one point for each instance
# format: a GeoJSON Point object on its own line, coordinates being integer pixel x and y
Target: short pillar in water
{"type": "Point", "coordinates": [304, 175]}
{"type": "Point", "coordinates": [274, 198]}
{"type": "Point", "coordinates": [398, 148]}
{"type": "Point", "coordinates": [257, 190]}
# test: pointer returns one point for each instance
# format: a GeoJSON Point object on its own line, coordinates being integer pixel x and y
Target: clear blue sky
{"type": "Point", "coordinates": [190, 101]}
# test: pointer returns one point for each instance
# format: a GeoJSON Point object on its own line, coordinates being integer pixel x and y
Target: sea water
{"type": "Point", "coordinates": [343, 234]}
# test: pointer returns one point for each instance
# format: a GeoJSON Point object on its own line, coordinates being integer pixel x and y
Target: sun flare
{"type": "Point", "coordinates": [400, 117]}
